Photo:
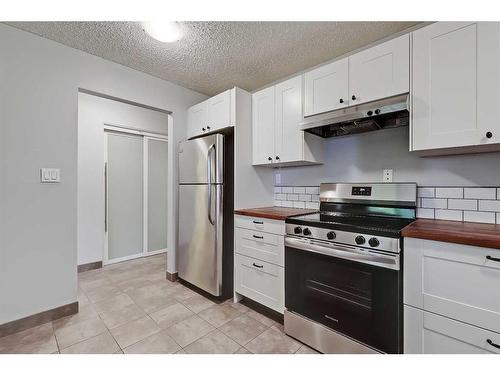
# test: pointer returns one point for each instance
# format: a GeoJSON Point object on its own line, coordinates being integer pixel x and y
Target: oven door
{"type": "Point", "coordinates": [353, 291]}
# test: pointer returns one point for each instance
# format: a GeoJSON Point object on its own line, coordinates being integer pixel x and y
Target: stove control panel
{"type": "Point", "coordinates": [344, 237]}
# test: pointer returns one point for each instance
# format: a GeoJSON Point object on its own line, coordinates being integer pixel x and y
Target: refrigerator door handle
{"type": "Point", "coordinates": [209, 180]}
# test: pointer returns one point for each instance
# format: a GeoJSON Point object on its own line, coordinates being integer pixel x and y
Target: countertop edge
{"type": "Point", "coordinates": [463, 233]}
{"type": "Point", "coordinates": [267, 212]}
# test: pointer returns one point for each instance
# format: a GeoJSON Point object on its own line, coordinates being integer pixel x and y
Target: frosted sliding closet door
{"type": "Point", "coordinates": [125, 195]}
{"type": "Point", "coordinates": [157, 194]}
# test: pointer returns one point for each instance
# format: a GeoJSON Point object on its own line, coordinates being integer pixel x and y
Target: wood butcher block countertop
{"type": "Point", "coordinates": [275, 213]}
{"type": "Point", "coordinates": [474, 234]}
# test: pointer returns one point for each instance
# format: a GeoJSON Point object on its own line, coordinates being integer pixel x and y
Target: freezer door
{"type": "Point", "coordinates": [200, 236]}
{"type": "Point", "coordinates": [201, 160]}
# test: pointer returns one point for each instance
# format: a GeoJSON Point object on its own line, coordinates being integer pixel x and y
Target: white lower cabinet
{"type": "Point", "coordinates": [428, 333]}
{"type": "Point", "coordinates": [451, 296]}
{"type": "Point", "coordinates": [261, 281]}
{"type": "Point", "coordinates": [259, 272]}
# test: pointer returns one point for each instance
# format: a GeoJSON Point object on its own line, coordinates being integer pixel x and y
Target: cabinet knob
{"type": "Point", "coordinates": [208, 127]}
{"type": "Point", "coordinates": [489, 134]}
{"type": "Point", "coordinates": [277, 158]}
{"type": "Point", "coordinates": [353, 97]}
{"type": "Point", "coordinates": [341, 100]}
{"type": "Point", "coordinates": [269, 158]}
{"type": "Point", "coordinates": [203, 129]}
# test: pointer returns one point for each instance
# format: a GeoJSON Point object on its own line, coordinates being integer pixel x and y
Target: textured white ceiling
{"type": "Point", "coordinates": [215, 56]}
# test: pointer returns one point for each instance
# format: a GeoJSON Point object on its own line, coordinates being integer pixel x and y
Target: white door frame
{"type": "Point", "coordinates": [146, 136]}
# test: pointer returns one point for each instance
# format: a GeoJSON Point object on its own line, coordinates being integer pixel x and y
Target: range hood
{"type": "Point", "coordinates": [386, 113]}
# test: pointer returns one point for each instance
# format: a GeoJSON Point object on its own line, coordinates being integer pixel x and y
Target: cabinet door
{"type": "Point", "coordinates": [427, 333]}
{"type": "Point", "coordinates": [326, 88]}
{"type": "Point", "coordinates": [380, 71]}
{"type": "Point", "coordinates": [453, 280]}
{"type": "Point", "coordinates": [261, 281]}
{"type": "Point", "coordinates": [455, 85]}
{"type": "Point", "coordinates": [289, 139]}
{"type": "Point", "coordinates": [197, 119]}
{"type": "Point", "coordinates": [263, 126]}
{"type": "Point", "coordinates": [219, 111]}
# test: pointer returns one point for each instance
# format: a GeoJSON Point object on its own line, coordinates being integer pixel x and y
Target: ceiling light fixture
{"type": "Point", "coordinates": [164, 31]}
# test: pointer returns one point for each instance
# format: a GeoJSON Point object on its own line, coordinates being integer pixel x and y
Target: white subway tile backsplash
{"type": "Point", "coordinates": [480, 193]}
{"type": "Point", "coordinates": [479, 217]}
{"type": "Point", "coordinates": [476, 204]}
{"type": "Point", "coordinates": [445, 192]}
{"type": "Point", "coordinates": [312, 205]}
{"type": "Point", "coordinates": [455, 215]}
{"type": "Point", "coordinates": [425, 192]}
{"type": "Point", "coordinates": [434, 203]}
{"type": "Point", "coordinates": [299, 204]}
{"type": "Point", "coordinates": [462, 204]}
{"type": "Point", "coordinates": [489, 205]}
{"type": "Point", "coordinates": [425, 213]}
{"type": "Point", "coordinates": [312, 189]}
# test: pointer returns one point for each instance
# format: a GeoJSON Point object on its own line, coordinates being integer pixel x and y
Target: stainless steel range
{"type": "Point", "coordinates": [343, 279]}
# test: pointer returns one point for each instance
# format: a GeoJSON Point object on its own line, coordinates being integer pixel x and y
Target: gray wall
{"type": "Point", "coordinates": [39, 81]}
{"type": "Point", "coordinates": [362, 157]}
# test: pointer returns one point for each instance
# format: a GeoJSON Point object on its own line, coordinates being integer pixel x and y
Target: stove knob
{"type": "Point", "coordinates": [297, 230]}
{"type": "Point", "coordinates": [306, 232]}
{"type": "Point", "coordinates": [331, 235]}
{"type": "Point", "coordinates": [373, 242]}
{"type": "Point", "coordinates": [360, 240]}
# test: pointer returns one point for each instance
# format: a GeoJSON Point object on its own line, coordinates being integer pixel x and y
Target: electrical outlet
{"type": "Point", "coordinates": [387, 175]}
{"type": "Point", "coordinates": [50, 175]}
{"type": "Point", "coordinates": [277, 178]}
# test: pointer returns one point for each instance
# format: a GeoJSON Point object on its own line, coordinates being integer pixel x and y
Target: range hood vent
{"type": "Point", "coordinates": [381, 114]}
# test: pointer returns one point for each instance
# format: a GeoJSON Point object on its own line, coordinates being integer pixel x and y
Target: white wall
{"type": "Point", "coordinates": [93, 113]}
{"type": "Point", "coordinates": [362, 157]}
{"type": "Point", "coordinates": [39, 81]}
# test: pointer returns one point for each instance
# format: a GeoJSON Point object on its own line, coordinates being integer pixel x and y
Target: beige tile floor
{"type": "Point", "coordinates": [130, 308]}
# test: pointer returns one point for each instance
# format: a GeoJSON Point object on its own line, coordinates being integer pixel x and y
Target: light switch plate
{"type": "Point", "coordinates": [387, 175]}
{"type": "Point", "coordinates": [50, 175]}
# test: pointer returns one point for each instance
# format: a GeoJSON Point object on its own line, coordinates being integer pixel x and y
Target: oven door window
{"type": "Point", "coordinates": [358, 300]}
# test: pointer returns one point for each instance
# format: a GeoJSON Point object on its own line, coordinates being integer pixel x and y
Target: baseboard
{"type": "Point", "coordinates": [172, 276]}
{"type": "Point", "coordinates": [38, 319]}
{"type": "Point", "coordinates": [89, 266]}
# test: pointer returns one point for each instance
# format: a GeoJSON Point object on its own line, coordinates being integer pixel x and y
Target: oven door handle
{"type": "Point", "coordinates": [344, 252]}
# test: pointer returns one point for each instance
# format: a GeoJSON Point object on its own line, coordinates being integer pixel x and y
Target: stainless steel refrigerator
{"type": "Point", "coordinates": [205, 225]}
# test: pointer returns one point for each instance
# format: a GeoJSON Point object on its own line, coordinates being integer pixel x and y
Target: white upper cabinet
{"type": "Point", "coordinates": [197, 119]}
{"type": "Point", "coordinates": [263, 126]}
{"type": "Point", "coordinates": [456, 87]}
{"type": "Point", "coordinates": [276, 117]}
{"type": "Point", "coordinates": [381, 71]}
{"type": "Point", "coordinates": [219, 111]}
{"type": "Point", "coordinates": [212, 114]}
{"type": "Point", "coordinates": [326, 88]}
{"type": "Point", "coordinates": [289, 139]}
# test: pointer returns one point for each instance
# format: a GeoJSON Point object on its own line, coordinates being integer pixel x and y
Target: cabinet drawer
{"type": "Point", "coordinates": [260, 224]}
{"type": "Point", "coordinates": [260, 281]}
{"type": "Point", "coordinates": [457, 281]}
{"type": "Point", "coordinates": [260, 245]}
{"type": "Point", "coordinates": [428, 333]}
